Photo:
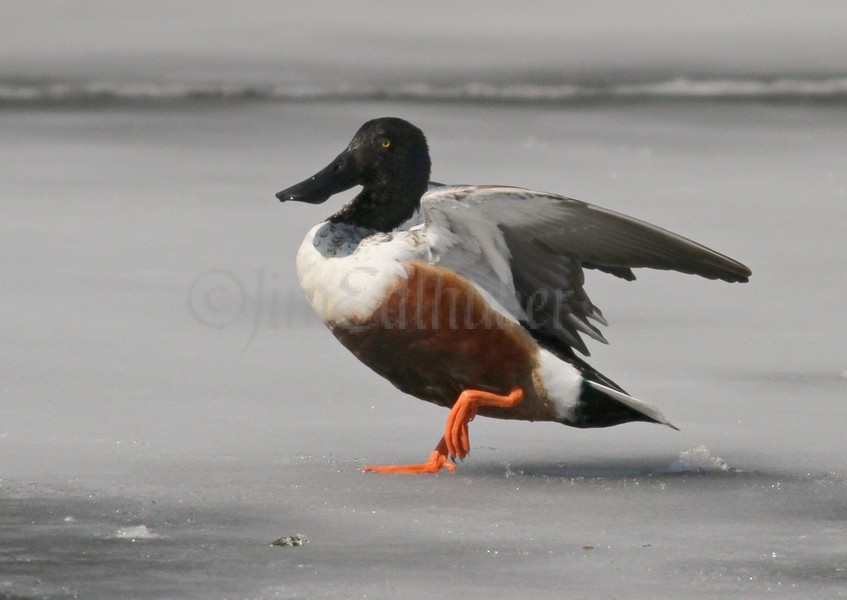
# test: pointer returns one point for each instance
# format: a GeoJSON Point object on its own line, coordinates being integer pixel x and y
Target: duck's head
{"type": "Point", "coordinates": [389, 158]}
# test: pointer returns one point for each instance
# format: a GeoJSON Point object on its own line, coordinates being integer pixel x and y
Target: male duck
{"type": "Point", "coordinates": [471, 297]}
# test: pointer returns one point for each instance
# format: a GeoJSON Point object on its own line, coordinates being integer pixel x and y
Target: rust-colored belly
{"type": "Point", "coordinates": [435, 336]}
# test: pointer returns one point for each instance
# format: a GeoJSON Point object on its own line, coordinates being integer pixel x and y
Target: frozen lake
{"type": "Point", "coordinates": [160, 368]}
{"type": "Point", "coordinates": [169, 407]}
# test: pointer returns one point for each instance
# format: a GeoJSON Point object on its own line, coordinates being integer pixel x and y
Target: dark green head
{"type": "Point", "coordinates": [389, 158]}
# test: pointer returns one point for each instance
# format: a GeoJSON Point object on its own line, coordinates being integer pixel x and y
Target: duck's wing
{"type": "Point", "coordinates": [528, 249]}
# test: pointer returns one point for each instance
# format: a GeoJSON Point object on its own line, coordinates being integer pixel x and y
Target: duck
{"type": "Point", "coordinates": [472, 297]}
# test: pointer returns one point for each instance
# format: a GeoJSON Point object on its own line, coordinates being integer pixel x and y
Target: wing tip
{"type": "Point", "coordinates": [738, 273]}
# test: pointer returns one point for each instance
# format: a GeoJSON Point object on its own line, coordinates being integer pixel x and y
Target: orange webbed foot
{"type": "Point", "coordinates": [437, 460]}
{"type": "Point", "coordinates": [456, 441]}
{"type": "Point", "coordinates": [463, 412]}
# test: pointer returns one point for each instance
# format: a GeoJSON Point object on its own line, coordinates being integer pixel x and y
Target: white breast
{"type": "Point", "coordinates": [345, 272]}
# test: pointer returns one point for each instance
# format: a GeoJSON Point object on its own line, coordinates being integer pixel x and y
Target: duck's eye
{"type": "Point", "coordinates": [384, 143]}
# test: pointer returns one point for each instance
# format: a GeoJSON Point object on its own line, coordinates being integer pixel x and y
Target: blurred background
{"type": "Point", "coordinates": [382, 46]}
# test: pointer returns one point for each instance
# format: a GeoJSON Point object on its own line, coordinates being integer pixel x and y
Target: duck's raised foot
{"type": "Point", "coordinates": [456, 437]}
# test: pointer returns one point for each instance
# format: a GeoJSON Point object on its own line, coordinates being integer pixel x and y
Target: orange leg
{"type": "Point", "coordinates": [464, 411]}
{"type": "Point", "coordinates": [456, 441]}
{"type": "Point", "coordinates": [437, 460]}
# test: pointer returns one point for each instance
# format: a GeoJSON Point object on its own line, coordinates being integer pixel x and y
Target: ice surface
{"type": "Point", "coordinates": [159, 368]}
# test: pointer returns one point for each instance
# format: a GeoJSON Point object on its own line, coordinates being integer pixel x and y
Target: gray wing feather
{"type": "Point", "coordinates": [528, 250]}
{"type": "Point", "coordinates": [606, 239]}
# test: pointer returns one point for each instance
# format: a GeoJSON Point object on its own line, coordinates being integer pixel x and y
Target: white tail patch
{"type": "Point", "coordinates": [637, 405]}
{"type": "Point", "coordinates": [562, 382]}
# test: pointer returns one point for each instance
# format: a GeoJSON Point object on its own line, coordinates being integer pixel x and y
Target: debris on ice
{"type": "Point", "coordinates": [698, 460]}
{"type": "Point", "coordinates": [290, 540]}
{"type": "Point", "coordinates": [137, 532]}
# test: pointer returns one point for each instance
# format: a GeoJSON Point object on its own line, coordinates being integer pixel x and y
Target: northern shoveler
{"type": "Point", "coordinates": [471, 296]}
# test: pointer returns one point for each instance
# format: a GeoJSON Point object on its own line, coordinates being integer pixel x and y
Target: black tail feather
{"type": "Point", "coordinates": [597, 408]}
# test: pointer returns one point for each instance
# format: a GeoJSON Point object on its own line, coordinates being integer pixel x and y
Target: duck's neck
{"type": "Point", "coordinates": [380, 209]}
{"type": "Point", "coordinates": [388, 199]}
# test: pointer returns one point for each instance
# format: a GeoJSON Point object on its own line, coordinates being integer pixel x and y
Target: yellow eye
{"type": "Point", "coordinates": [385, 143]}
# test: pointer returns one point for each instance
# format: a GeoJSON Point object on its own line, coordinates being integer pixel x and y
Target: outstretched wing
{"type": "Point", "coordinates": [528, 249]}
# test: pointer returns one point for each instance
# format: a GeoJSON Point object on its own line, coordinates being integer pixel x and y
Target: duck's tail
{"type": "Point", "coordinates": [586, 398]}
{"type": "Point", "coordinates": [602, 406]}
